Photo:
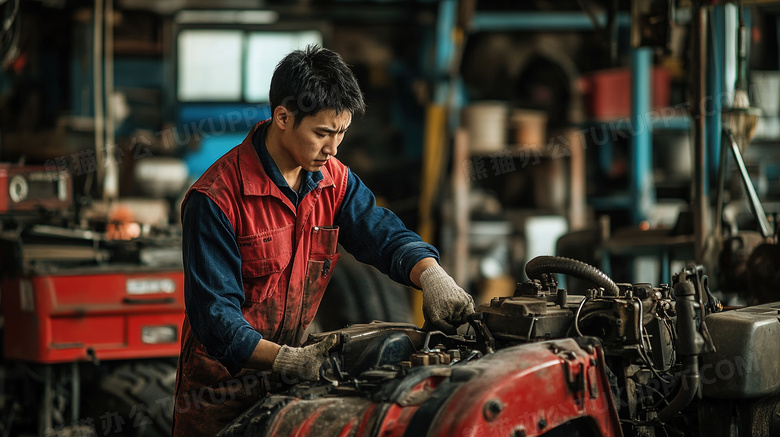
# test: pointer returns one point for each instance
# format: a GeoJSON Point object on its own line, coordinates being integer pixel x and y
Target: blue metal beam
{"type": "Point", "coordinates": [544, 21]}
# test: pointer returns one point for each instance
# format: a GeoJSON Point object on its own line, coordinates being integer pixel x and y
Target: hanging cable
{"type": "Point", "coordinates": [577, 317]}
{"type": "Point", "coordinates": [642, 348]}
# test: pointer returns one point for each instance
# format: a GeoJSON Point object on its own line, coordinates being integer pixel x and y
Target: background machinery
{"type": "Point", "coordinates": [90, 325]}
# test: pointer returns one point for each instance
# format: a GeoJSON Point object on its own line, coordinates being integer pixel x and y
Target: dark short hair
{"type": "Point", "coordinates": [308, 81]}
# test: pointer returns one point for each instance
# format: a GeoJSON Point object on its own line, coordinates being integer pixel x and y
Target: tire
{"type": "Point", "coordinates": [137, 399]}
{"type": "Point", "coordinates": [338, 307]}
{"type": "Point", "coordinates": [365, 289]}
{"type": "Point", "coordinates": [359, 293]}
{"type": "Point", "coordinates": [395, 299]}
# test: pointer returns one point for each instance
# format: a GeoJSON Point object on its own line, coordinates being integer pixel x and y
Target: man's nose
{"type": "Point", "coordinates": [332, 146]}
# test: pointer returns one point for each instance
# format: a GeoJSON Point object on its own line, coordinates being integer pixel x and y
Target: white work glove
{"type": "Point", "coordinates": [303, 362]}
{"type": "Point", "coordinates": [445, 305]}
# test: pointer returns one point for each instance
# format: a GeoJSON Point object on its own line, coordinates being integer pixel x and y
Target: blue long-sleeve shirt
{"type": "Point", "coordinates": [213, 290]}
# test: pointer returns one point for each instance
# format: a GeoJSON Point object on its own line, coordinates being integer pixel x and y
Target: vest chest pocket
{"type": "Point", "coordinates": [323, 256]}
{"type": "Point", "coordinates": [264, 257]}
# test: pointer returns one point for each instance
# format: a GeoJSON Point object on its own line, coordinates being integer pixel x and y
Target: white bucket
{"type": "Point", "coordinates": [486, 124]}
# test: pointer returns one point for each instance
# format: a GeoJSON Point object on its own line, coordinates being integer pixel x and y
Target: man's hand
{"type": "Point", "coordinates": [304, 362]}
{"type": "Point", "coordinates": [445, 305]}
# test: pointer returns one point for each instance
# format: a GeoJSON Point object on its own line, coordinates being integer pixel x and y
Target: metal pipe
{"type": "Point", "coordinates": [44, 422]}
{"type": "Point", "coordinates": [111, 177]}
{"type": "Point", "coordinates": [97, 86]}
{"type": "Point", "coordinates": [75, 391]}
{"type": "Point", "coordinates": [699, 109]}
{"type": "Point", "coordinates": [755, 203]}
{"type": "Point", "coordinates": [460, 207]}
{"type": "Point", "coordinates": [722, 166]}
{"type": "Point", "coordinates": [578, 215]}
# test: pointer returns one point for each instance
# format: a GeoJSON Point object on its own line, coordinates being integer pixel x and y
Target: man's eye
{"type": "Point", "coordinates": [320, 135]}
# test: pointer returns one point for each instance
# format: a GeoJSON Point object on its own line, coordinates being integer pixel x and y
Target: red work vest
{"type": "Point", "coordinates": [286, 259]}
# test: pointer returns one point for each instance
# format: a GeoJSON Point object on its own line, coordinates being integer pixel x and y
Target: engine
{"type": "Point", "coordinates": [624, 359]}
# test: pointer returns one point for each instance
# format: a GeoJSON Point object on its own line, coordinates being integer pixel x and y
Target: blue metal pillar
{"type": "Point", "coordinates": [642, 194]}
{"type": "Point", "coordinates": [665, 268]}
{"type": "Point", "coordinates": [715, 98]}
{"type": "Point", "coordinates": [445, 49]}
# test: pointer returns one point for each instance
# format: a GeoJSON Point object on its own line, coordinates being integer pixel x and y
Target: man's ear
{"type": "Point", "coordinates": [282, 117]}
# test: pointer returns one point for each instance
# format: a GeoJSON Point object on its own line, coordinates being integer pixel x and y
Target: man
{"type": "Point", "coordinates": [261, 228]}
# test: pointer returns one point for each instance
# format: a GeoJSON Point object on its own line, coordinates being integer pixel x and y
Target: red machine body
{"type": "Point", "coordinates": [88, 315]}
{"type": "Point", "coordinates": [526, 390]}
{"type": "Point", "coordinates": [531, 389]}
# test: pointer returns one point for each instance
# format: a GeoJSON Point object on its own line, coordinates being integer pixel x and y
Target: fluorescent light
{"type": "Point", "coordinates": [226, 17]}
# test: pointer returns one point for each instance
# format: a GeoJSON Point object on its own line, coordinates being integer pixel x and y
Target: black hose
{"type": "Point", "coordinates": [689, 346]}
{"type": "Point", "coordinates": [567, 266]}
{"type": "Point", "coordinates": [689, 386]}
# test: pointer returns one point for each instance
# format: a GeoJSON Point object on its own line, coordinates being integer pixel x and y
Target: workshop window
{"type": "Point", "coordinates": [233, 65]}
{"type": "Point", "coordinates": [209, 65]}
{"type": "Point", "coordinates": [264, 51]}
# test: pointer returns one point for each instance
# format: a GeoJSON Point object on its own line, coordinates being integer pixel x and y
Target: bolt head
{"type": "Point", "coordinates": [492, 409]}
{"type": "Point", "coordinates": [519, 432]}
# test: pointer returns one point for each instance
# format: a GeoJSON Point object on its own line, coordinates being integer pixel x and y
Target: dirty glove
{"type": "Point", "coordinates": [303, 362]}
{"type": "Point", "coordinates": [445, 305]}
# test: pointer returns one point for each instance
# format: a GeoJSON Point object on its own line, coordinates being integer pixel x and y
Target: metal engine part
{"type": "Point", "coordinates": [746, 363]}
{"type": "Point", "coordinates": [638, 360]}
{"type": "Point", "coordinates": [526, 318]}
{"type": "Point", "coordinates": [30, 189]}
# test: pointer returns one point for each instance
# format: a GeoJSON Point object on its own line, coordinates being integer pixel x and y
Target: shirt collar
{"type": "Point", "coordinates": [248, 163]}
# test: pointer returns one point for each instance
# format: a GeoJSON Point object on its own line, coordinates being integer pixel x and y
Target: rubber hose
{"type": "Point", "coordinates": [689, 386]}
{"type": "Point", "coordinates": [567, 266]}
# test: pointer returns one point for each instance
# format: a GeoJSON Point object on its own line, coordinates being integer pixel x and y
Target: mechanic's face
{"type": "Point", "coordinates": [316, 138]}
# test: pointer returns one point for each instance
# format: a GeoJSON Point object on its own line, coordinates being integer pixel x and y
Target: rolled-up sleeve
{"type": "Point", "coordinates": [376, 236]}
{"type": "Point", "coordinates": [213, 291]}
